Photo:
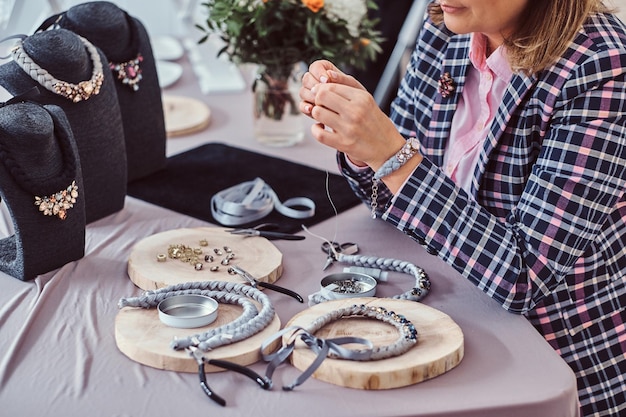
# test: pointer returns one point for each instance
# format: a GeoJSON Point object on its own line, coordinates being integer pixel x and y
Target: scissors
{"type": "Point", "coordinates": [261, 230]}
{"type": "Point", "coordinates": [256, 283]}
{"type": "Point", "coordinates": [332, 249]}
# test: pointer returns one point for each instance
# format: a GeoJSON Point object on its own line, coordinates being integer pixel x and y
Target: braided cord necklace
{"type": "Point", "coordinates": [422, 282]}
{"type": "Point", "coordinates": [332, 348]}
{"type": "Point", "coordinates": [128, 72]}
{"type": "Point", "coordinates": [248, 324]}
{"type": "Point", "coordinates": [416, 293]}
{"type": "Point", "coordinates": [74, 92]}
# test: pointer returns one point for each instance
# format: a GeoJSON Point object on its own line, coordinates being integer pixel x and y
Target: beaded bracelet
{"type": "Point", "coordinates": [332, 347]}
{"type": "Point", "coordinates": [248, 324]}
{"type": "Point", "coordinates": [410, 149]}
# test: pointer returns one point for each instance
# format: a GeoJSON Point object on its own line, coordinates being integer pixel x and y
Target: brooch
{"type": "Point", "coordinates": [446, 85]}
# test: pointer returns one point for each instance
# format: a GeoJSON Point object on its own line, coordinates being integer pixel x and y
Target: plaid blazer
{"type": "Point", "coordinates": [543, 230]}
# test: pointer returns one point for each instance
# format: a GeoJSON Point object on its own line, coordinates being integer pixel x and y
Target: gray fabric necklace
{"type": "Point", "coordinates": [417, 293]}
{"type": "Point", "coordinates": [74, 92]}
{"type": "Point", "coordinates": [332, 348]}
{"type": "Point", "coordinates": [249, 323]}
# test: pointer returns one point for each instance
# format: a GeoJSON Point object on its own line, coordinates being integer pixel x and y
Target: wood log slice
{"type": "Point", "coordinates": [184, 115]}
{"type": "Point", "coordinates": [438, 350]}
{"type": "Point", "coordinates": [141, 336]}
{"type": "Point", "coordinates": [256, 255]}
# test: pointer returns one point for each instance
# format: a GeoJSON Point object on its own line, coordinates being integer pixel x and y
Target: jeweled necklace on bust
{"type": "Point", "coordinates": [127, 72]}
{"type": "Point", "coordinates": [74, 92]}
{"type": "Point", "coordinates": [58, 203]}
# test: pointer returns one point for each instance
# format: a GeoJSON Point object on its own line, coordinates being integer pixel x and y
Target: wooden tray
{"type": "Point", "coordinates": [256, 255]}
{"type": "Point", "coordinates": [141, 336]}
{"type": "Point", "coordinates": [439, 347]}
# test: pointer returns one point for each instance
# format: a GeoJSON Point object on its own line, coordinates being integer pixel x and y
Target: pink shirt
{"type": "Point", "coordinates": [486, 82]}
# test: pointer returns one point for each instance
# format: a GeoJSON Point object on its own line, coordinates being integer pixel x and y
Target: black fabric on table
{"type": "Point", "coordinates": [190, 179]}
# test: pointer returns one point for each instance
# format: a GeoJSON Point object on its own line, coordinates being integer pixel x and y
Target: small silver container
{"type": "Point", "coordinates": [348, 285]}
{"type": "Point", "coordinates": [188, 311]}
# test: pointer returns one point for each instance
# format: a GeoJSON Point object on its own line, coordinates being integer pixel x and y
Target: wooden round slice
{"type": "Point", "coordinates": [439, 347]}
{"type": "Point", "coordinates": [184, 115]}
{"type": "Point", "coordinates": [256, 255]}
{"type": "Point", "coordinates": [141, 336]}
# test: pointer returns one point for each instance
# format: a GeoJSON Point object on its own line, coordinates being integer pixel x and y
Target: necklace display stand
{"type": "Point", "coordinates": [95, 122]}
{"type": "Point", "coordinates": [126, 44]}
{"type": "Point", "coordinates": [39, 157]}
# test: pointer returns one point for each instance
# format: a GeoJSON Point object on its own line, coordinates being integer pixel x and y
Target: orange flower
{"type": "Point", "coordinates": [313, 5]}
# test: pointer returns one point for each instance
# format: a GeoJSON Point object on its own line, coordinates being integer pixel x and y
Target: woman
{"type": "Point", "coordinates": [517, 174]}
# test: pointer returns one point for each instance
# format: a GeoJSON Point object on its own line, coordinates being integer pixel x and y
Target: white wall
{"type": "Point", "coordinates": [621, 6]}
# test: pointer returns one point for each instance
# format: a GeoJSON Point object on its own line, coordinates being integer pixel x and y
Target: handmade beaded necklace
{"type": "Point", "coordinates": [74, 92]}
{"type": "Point", "coordinates": [324, 348]}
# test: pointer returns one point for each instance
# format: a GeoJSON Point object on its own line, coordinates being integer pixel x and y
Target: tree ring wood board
{"type": "Point", "coordinates": [184, 115]}
{"type": "Point", "coordinates": [142, 337]}
{"type": "Point", "coordinates": [256, 255]}
{"type": "Point", "coordinates": [439, 348]}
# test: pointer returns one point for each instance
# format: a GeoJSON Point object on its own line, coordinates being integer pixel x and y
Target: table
{"type": "Point", "coordinates": [58, 354]}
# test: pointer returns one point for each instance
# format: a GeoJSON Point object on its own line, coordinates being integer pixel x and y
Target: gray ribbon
{"type": "Point", "coordinates": [322, 347]}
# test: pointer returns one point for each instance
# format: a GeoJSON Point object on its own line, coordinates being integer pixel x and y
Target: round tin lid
{"type": "Point", "coordinates": [188, 311]}
{"type": "Point", "coordinates": [348, 285]}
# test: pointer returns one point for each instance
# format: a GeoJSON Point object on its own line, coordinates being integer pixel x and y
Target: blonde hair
{"type": "Point", "coordinates": [546, 29]}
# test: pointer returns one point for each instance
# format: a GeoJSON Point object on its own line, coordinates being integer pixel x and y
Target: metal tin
{"type": "Point", "coordinates": [348, 285]}
{"type": "Point", "coordinates": [188, 311]}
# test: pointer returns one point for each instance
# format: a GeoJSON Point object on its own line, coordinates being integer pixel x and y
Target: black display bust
{"type": "Point", "coordinates": [39, 158]}
{"type": "Point", "coordinates": [96, 122]}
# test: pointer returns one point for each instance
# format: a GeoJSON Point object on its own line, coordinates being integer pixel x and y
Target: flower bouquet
{"type": "Point", "coordinates": [279, 34]}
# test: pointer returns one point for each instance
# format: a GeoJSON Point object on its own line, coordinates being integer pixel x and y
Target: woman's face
{"type": "Point", "coordinates": [494, 18]}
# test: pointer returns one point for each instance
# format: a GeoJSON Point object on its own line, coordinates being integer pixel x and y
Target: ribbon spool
{"type": "Point", "coordinates": [253, 200]}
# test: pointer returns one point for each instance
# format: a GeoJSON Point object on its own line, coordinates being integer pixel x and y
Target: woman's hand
{"type": "Point", "coordinates": [348, 117]}
{"type": "Point", "coordinates": [322, 71]}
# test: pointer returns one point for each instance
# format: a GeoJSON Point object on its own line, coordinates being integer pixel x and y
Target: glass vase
{"type": "Point", "coordinates": [277, 118]}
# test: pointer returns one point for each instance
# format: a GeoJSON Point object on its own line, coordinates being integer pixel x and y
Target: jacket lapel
{"type": "Point", "coordinates": [519, 87]}
{"type": "Point", "coordinates": [455, 63]}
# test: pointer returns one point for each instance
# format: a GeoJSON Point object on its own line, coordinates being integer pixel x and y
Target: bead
{"type": "Point", "coordinates": [161, 257]}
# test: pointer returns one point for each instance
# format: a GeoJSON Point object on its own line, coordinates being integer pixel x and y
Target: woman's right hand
{"type": "Point", "coordinates": [322, 71]}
